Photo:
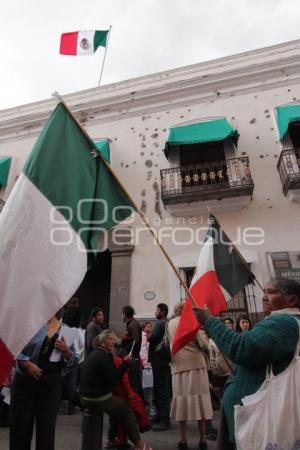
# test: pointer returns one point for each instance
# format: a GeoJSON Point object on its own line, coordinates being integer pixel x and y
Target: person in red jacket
{"type": "Point", "coordinates": [124, 390]}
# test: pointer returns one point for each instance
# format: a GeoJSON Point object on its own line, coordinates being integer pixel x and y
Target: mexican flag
{"type": "Point", "coordinates": [82, 42]}
{"type": "Point", "coordinates": [61, 201]}
{"type": "Point", "coordinates": [220, 268]}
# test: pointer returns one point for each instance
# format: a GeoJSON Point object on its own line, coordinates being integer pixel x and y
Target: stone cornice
{"type": "Point", "coordinates": [253, 71]}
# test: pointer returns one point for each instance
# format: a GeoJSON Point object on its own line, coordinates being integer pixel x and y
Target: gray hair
{"type": "Point", "coordinates": [99, 340]}
{"type": "Point", "coordinates": [288, 287]}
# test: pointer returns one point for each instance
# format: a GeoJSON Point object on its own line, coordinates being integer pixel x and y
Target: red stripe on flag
{"type": "Point", "coordinates": [206, 291]}
{"type": "Point", "coordinates": [68, 43]}
{"type": "Point", "coordinates": [6, 362]}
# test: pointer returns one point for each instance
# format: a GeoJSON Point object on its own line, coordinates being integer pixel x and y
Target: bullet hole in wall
{"type": "Point", "coordinates": [261, 156]}
{"type": "Point", "coordinates": [154, 136]}
{"type": "Point", "coordinates": [149, 175]}
{"type": "Point", "coordinates": [143, 145]}
{"type": "Point", "coordinates": [252, 121]}
{"type": "Point", "coordinates": [142, 153]}
{"type": "Point", "coordinates": [143, 207]}
{"type": "Point", "coordinates": [148, 163]}
{"type": "Point", "coordinates": [143, 193]}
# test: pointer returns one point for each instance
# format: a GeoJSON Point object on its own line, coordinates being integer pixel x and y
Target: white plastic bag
{"type": "Point", "coordinates": [270, 418]}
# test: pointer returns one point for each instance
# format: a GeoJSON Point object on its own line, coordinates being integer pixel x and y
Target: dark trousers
{"type": "Point", "coordinates": [70, 383]}
{"type": "Point", "coordinates": [161, 391]}
{"type": "Point", "coordinates": [223, 441]}
{"type": "Point", "coordinates": [116, 408]}
{"type": "Point", "coordinates": [34, 400]}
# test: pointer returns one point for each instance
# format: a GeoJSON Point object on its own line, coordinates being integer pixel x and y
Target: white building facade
{"type": "Point", "coordinates": [252, 187]}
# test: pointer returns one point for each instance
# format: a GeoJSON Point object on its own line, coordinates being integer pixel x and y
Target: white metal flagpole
{"type": "Point", "coordinates": [103, 61]}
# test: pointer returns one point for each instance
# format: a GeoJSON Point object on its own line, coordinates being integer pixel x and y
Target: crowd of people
{"type": "Point", "coordinates": [135, 379]}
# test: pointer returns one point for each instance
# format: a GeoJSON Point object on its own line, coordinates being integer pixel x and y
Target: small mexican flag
{"type": "Point", "coordinates": [82, 42]}
{"type": "Point", "coordinates": [220, 268]}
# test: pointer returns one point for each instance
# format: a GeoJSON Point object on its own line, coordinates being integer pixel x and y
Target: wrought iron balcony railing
{"type": "Point", "coordinates": [289, 169]}
{"type": "Point", "coordinates": [228, 178]}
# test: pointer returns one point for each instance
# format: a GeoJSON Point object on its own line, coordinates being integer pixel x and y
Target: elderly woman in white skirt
{"type": "Point", "coordinates": [191, 396]}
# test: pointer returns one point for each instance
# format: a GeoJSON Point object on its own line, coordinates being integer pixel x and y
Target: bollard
{"type": "Point", "coordinates": [92, 431]}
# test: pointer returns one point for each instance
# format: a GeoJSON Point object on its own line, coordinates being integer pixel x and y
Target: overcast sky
{"type": "Point", "coordinates": [147, 36]}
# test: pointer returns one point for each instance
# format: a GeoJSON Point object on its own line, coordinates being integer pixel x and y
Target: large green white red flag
{"type": "Point", "coordinates": [61, 201]}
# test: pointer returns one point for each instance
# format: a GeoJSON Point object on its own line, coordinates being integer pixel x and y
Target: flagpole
{"type": "Point", "coordinates": [103, 61]}
{"type": "Point", "coordinates": [238, 252]}
{"type": "Point", "coordinates": [141, 214]}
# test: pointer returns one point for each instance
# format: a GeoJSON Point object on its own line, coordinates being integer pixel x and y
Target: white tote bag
{"type": "Point", "coordinates": [270, 418]}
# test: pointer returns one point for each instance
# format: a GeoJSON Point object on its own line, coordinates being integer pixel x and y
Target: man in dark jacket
{"type": "Point", "coordinates": [133, 336]}
{"type": "Point", "coordinates": [161, 371]}
{"type": "Point", "coordinates": [95, 327]}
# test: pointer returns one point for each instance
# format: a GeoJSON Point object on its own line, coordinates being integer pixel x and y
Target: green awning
{"type": "Point", "coordinates": [103, 147]}
{"type": "Point", "coordinates": [285, 116]}
{"type": "Point", "coordinates": [196, 133]}
{"type": "Point", "coordinates": [4, 169]}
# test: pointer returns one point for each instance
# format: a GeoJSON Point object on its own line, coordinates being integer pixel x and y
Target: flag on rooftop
{"type": "Point", "coordinates": [82, 42]}
{"type": "Point", "coordinates": [219, 268]}
{"type": "Point", "coordinates": [49, 222]}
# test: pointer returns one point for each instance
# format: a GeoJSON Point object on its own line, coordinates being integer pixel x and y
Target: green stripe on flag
{"type": "Point", "coordinates": [62, 167]}
{"type": "Point", "coordinates": [100, 38]}
{"type": "Point", "coordinates": [232, 271]}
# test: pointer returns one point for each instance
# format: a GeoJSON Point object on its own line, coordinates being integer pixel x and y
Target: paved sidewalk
{"type": "Point", "coordinates": [68, 435]}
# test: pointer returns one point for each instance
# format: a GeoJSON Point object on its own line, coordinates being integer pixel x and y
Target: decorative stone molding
{"type": "Point", "coordinates": [262, 69]}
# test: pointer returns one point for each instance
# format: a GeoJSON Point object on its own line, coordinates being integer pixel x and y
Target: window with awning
{"type": "Point", "coordinates": [103, 147]}
{"type": "Point", "coordinates": [287, 115]}
{"type": "Point", "coordinates": [4, 169]}
{"type": "Point", "coordinates": [209, 131]}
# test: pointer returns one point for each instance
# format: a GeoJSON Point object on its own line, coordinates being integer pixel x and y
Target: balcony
{"type": "Point", "coordinates": [224, 186]}
{"type": "Point", "coordinates": [289, 171]}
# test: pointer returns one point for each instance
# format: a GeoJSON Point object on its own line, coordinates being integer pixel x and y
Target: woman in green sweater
{"type": "Point", "coordinates": [271, 341]}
